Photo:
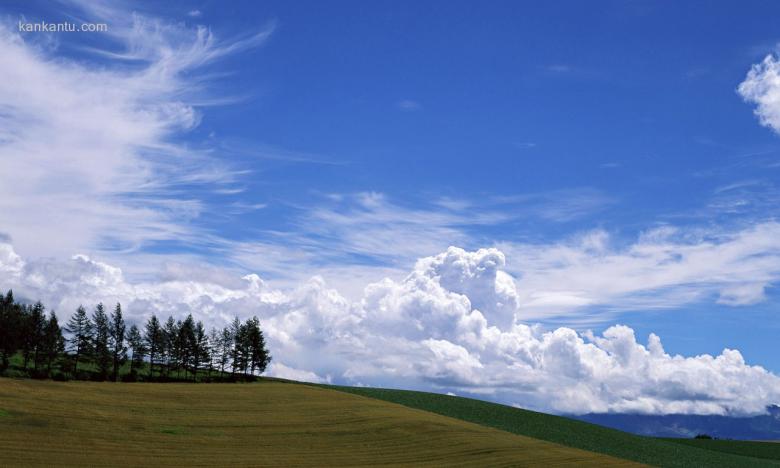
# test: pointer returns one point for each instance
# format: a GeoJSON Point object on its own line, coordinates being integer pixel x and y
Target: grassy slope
{"type": "Point", "coordinates": [570, 432]}
{"type": "Point", "coordinates": [270, 423]}
{"type": "Point", "coordinates": [768, 450]}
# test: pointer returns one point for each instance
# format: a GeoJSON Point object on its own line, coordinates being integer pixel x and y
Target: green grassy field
{"type": "Point", "coordinates": [766, 450]}
{"type": "Point", "coordinates": [573, 433]}
{"type": "Point", "coordinates": [269, 423]}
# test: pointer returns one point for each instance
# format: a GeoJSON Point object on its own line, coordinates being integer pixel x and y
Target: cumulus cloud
{"type": "Point", "coordinates": [454, 323]}
{"type": "Point", "coordinates": [762, 88]}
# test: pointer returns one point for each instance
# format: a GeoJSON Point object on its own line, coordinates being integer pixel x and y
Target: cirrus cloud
{"type": "Point", "coordinates": [91, 146]}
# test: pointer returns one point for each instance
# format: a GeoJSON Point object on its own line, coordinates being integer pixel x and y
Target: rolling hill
{"type": "Point", "coordinates": [48, 423]}
{"type": "Point", "coordinates": [583, 435]}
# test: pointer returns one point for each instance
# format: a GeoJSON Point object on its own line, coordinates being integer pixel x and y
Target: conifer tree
{"type": "Point", "coordinates": [11, 328]}
{"type": "Point", "coordinates": [186, 343]}
{"type": "Point", "coordinates": [153, 336]}
{"type": "Point", "coordinates": [170, 334]}
{"type": "Point", "coordinates": [117, 340]}
{"type": "Point", "coordinates": [215, 349]}
{"type": "Point", "coordinates": [101, 341]}
{"type": "Point", "coordinates": [237, 333]}
{"type": "Point", "coordinates": [80, 328]}
{"type": "Point", "coordinates": [36, 324]}
{"type": "Point", "coordinates": [136, 343]}
{"type": "Point", "coordinates": [226, 342]}
{"type": "Point", "coordinates": [258, 354]}
{"type": "Point", "coordinates": [53, 342]}
{"type": "Point", "coordinates": [200, 352]}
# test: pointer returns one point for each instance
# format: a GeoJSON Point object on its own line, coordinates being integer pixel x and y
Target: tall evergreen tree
{"type": "Point", "coordinates": [26, 333]}
{"type": "Point", "coordinates": [226, 342]}
{"type": "Point", "coordinates": [35, 327]}
{"type": "Point", "coordinates": [200, 351]}
{"type": "Point", "coordinates": [136, 343]}
{"type": "Point", "coordinates": [237, 333]}
{"type": "Point", "coordinates": [186, 343]}
{"type": "Point", "coordinates": [101, 341]}
{"type": "Point", "coordinates": [171, 353]}
{"type": "Point", "coordinates": [80, 328]}
{"type": "Point", "coordinates": [117, 340]}
{"type": "Point", "coordinates": [258, 354]}
{"type": "Point", "coordinates": [11, 328]}
{"type": "Point", "coordinates": [153, 335]}
{"type": "Point", "coordinates": [53, 342]}
{"type": "Point", "coordinates": [215, 349]}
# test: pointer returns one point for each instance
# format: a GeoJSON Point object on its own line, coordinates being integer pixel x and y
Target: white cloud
{"type": "Point", "coordinates": [557, 205]}
{"type": "Point", "coordinates": [762, 88]}
{"type": "Point", "coordinates": [371, 225]}
{"type": "Point", "coordinates": [666, 267]}
{"type": "Point", "coordinates": [453, 324]}
{"type": "Point", "coordinates": [558, 68]}
{"type": "Point", "coordinates": [283, 372]}
{"type": "Point", "coordinates": [89, 147]}
{"type": "Point", "coordinates": [354, 229]}
{"type": "Point", "coordinates": [409, 105]}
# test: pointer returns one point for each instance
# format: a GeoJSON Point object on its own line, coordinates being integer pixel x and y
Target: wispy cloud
{"type": "Point", "coordinates": [409, 105]}
{"type": "Point", "coordinates": [558, 68]}
{"type": "Point", "coordinates": [92, 149]}
{"type": "Point", "coordinates": [665, 267]}
{"type": "Point", "coordinates": [556, 205]}
{"type": "Point", "coordinates": [245, 150]}
{"type": "Point", "coordinates": [375, 228]}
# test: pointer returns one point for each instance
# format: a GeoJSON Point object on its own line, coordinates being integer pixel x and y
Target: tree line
{"type": "Point", "coordinates": [99, 346]}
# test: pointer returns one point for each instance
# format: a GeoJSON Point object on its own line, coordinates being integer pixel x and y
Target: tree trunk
{"type": "Point", "coordinates": [76, 365]}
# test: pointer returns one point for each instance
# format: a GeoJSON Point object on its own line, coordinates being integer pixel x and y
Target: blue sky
{"type": "Point", "coordinates": [350, 139]}
{"type": "Point", "coordinates": [635, 102]}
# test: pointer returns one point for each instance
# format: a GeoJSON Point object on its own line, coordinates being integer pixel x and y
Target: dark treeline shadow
{"type": "Point", "coordinates": [99, 346]}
